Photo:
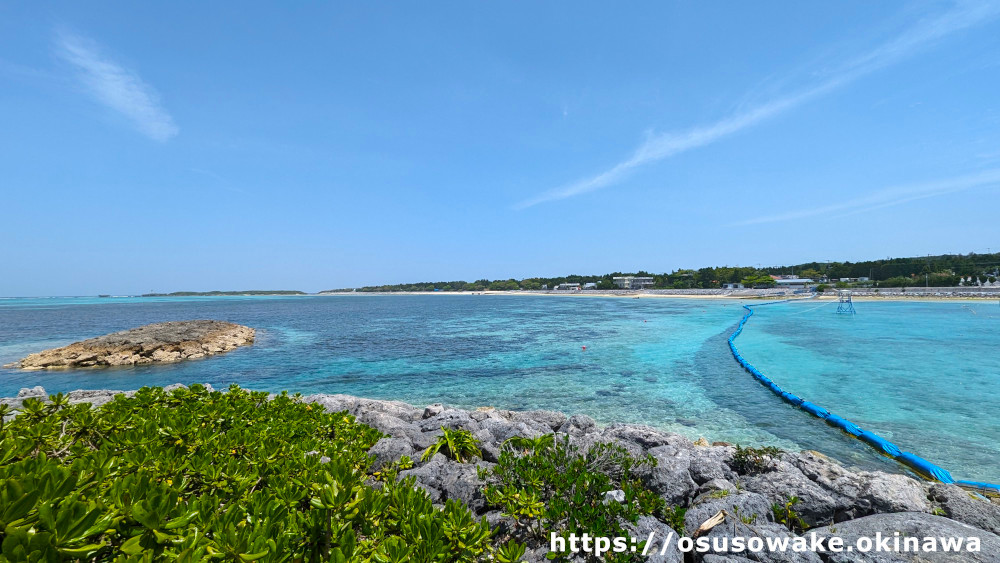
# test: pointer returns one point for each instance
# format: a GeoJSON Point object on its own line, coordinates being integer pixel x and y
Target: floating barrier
{"type": "Point", "coordinates": [918, 464]}
{"type": "Point", "coordinates": [985, 487]}
{"type": "Point", "coordinates": [843, 424]}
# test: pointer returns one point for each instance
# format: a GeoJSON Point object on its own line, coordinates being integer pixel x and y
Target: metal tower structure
{"type": "Point", "coordinates": [846, 304]}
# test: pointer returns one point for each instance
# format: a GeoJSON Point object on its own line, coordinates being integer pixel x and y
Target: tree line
{"type": "Point", "coordinates": [940, 271]}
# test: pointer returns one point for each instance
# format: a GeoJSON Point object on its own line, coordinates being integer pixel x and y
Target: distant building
{"type": "Point", "coordinates": [732, 286]}
{"type": "Point", "coordinates": [564, 286]}
{"type": "Point", "coordinates": [590, 285]}
{"type": "Point", "coordinates": [633, 282]}
{"type": "Point", "coordinates": [793, 283]}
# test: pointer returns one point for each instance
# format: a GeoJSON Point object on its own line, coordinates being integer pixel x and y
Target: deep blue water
{"type": "Point", "coordinates": [922, 374]}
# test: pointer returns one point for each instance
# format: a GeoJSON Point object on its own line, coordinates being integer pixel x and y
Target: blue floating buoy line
{"type": "Point", "coordinates": [918, 464]}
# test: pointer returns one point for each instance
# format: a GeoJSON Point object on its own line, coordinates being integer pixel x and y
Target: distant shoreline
{"type": "Point", "coordinates": [931, 294]}
{"type": "Point", "coordinates": [957, 294]}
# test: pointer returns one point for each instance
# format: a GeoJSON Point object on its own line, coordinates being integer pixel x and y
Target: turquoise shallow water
{"type": "Point", "coordinates": [924, 375]}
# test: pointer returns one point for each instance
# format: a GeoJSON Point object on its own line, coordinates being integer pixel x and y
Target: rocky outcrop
{"type": "Point", "coordinates": [153, 343]}
{"type": "Point", "coordinates": [833, 500]}
{"type": "Point", "coordinates": [898, 527]}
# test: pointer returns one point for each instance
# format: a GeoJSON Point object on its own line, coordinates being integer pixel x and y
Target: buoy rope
{"type": "Point", "coordinates": [918, 464]}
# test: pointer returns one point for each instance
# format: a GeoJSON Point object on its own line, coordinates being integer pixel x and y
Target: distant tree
{"type": "Point", "coordinates": [759, 280]}
{"type": "Point", "coordinates": [531, 284]}
{"type": "Point", "coordinates": [898, 281]}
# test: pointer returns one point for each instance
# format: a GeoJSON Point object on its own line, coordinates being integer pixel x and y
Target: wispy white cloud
{"type": "Point", "coordinates": [665, 145]}
{"type": "Point", "coordinates": [887, 197]}
{"type": "Point", "coordinates": [116, 86]}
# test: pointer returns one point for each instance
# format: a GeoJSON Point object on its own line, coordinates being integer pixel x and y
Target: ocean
{"type": "Point", "coordinates": [924, 375]}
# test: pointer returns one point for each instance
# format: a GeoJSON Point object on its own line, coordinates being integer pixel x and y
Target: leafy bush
{"type": "Point", "coordinates": [192, 475]}
{"type": "Point", "coordinates": [785, 514]}
{"type": "Point", "coordinates": [548, 485]}
{"type": "Point", "coordinates": [459, 445]}
{"type": "Point", "coordinates": [754, 460]}
{"type": "Point", "coordinates": [673, 516]}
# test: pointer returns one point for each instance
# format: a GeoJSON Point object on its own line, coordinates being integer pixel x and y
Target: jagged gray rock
{"type": "Point", "coordinates": [663, 537]}
{"type": "Point", "coordinates": [154, 343]}
{"type": "Point", "coordinates": [36, 391]}
{"type": "Point", "coordinates": [577, 425]}
{"type": "Point", "coordinates": [671, 477]}
{"type": "Point", "coordinates": [433, 410]}
{"type": "Point", "coordinates": [912, 525]}
{"type": "Point", "coordinates": [753, 507]}
{"type": "Point", "coordinates": [389, 450]}
{"type": "Point", "coordinates": [446, 480]}
{"type": "Point", "coordinates": [721, 542]}
{"type": "Point", "coordinates": [451, 419]}
{"type": "Point", "coordinates": [968, 508]}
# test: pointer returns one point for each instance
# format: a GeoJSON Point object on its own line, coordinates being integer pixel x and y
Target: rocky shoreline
{"type": "Point", "coordinates": [153, 343]}
{"type": "Point", "coordinates": [834, 501]}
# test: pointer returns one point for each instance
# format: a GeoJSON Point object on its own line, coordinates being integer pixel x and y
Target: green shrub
{"type": "Point", "coordinates": [785, 514]}
{"type": "Point", "coordinates": [673, 516]}
{"type": "Point", "coordinates": [547, 485]}
{"type": "Point", "coordinates": [192, 475]}
{"type": "Point", "coordinates": [510, 552]}
{"type": "Point", "coordinates": [459, 445]}
{"type": "Point", "coordinates": [754, 460]}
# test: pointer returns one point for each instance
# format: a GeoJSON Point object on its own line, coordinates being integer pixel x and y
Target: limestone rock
{"type": "Point", "coordinates": [578, 424]}
{"type": "Point", "coordinates": [647, 525]}
{"type": "Point", "coordinates": [389, 450]}
{"type": "Point", "coordinates": [751, 508]}
{"type": "Point", "coordinates": [160, 342]}
{"type": "Point", "coordinates": [965, 507]}
{"type": "Point", "coordinates": [36, 391]}
{"type": "Point", "coordinates": [909, 524]}
{"type": "Point", "coordinates": [444, 480]}
{"type": "Point", "coordinates": [433, 410]}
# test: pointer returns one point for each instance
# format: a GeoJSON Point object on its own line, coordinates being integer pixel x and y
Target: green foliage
{"type": "Point", "coordinates": [547, 485]}
{"type": "Point", "coordinates": [898, 282]}
{"type": "Point", "coordinates": [785, 514]}
{"type": "Point", "coordinates": [510, 552]}
{"type": "Point", "coordinates": [193, 475]}
{"type": "Point", "coordinates": [754, 460]}
{"type": "Point", "coordinates": [673, 516]}
{"type": "Point", "coordinates": [508, 285]}
{"type": "Point", "coordinates": [822, 287]}
{"type": "Point", "coordinates": [459, 445]}
{"type": "Point", "coordinates": [758, 280]}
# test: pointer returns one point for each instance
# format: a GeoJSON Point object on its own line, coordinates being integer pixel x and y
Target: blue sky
{"type": "Point", "coordinates": [193, 146]}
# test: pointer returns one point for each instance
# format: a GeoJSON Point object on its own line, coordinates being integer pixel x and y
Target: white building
{"type": "Point", "coordinates": [793, 283]}
{"type": "Point", "coordinates": [633, 282]}
{"type": "Point", "coordinates": [573, 286]}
